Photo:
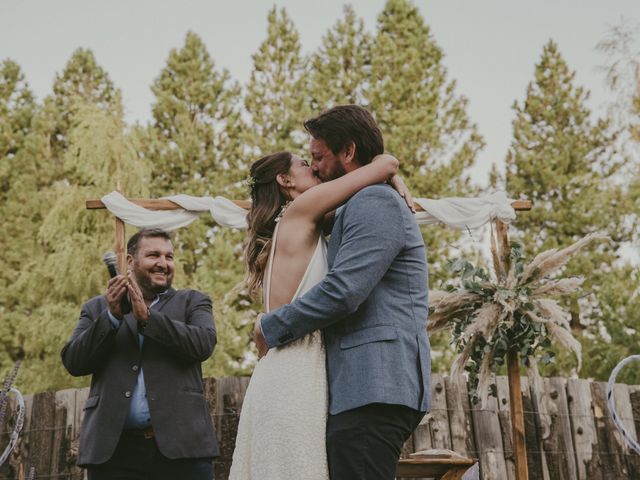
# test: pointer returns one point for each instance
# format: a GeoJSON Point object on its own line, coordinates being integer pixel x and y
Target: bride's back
{"type": "Point", "coordinates": [296, 244]}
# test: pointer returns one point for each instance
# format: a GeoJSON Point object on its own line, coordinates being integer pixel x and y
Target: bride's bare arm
{"type": "Point", "coordinates": [322, 199]}
{"type": "Point", "coordinates": [396, 182]}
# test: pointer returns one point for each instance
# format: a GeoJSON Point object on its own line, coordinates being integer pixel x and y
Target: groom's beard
{"type": "Point", "coordinates": [336, 172]}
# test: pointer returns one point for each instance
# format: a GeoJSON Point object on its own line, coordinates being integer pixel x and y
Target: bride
{"type": "Point", "coordinates": [281, 433]}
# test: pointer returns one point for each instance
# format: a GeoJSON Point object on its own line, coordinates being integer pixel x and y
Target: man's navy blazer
{"type": "Point", "coordinates": [178, 337]}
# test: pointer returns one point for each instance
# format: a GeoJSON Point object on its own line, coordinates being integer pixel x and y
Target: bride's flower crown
{"type": "Point", "coordinates": [250, 182]}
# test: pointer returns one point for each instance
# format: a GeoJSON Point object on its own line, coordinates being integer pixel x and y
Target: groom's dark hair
{"type": "Point", "coordinates": [344, 124]}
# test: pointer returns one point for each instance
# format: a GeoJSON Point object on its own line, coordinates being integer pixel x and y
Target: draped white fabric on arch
{"type": "Point", "coordinates": [455, 212]}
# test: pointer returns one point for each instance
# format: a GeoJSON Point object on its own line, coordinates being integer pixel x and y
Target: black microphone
{"type": "Point", "coordinates": [111, 261]}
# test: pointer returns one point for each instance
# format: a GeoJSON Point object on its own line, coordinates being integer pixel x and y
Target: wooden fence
{"type": "Point", "coordinates": [569, 432]}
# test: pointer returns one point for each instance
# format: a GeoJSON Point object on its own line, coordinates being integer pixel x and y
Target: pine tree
{"type": "Point", "coordinates": [39, 311]}
{"type": "Point", "coordinates": [44, 300]}
{"type": "Point", "coordinates": [340, 68]}
{"type": "Point", "coordinates": [567, 165]}
{"type": "Point", "coordinates": [275, 99]}
{"type": "Point", "coordinates": [195, 146]}
{"type": "Point", "coordinates": [82, 81]}
{"type": "Point", "coordinates": [424, 122]}
{"type": "Point", "coordinates": [563, 161]}
{"type": "Point", "coordinates": [39, 162]}
{"type": "Point", "coordinates": [17, 107]}
{"type": "Point", "coordinates": [196, 123]}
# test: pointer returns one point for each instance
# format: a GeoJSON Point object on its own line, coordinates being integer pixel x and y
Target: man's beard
{"type": "Point", "coordinates": [146, 284]}
{"type": "Point", "coordinates": [336, 172]}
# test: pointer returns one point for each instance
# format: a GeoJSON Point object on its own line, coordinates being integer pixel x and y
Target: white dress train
{"type": "Point", "coordinates": [281, 433]}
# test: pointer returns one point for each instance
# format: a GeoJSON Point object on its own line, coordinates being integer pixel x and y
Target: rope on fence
{"type": "Point", "coordinates": [18, 427]}
{"type": "Point", "coordinates": [612, 404]}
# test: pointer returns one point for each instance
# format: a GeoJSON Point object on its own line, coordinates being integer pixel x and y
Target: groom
{"type": "Point", "coordinates": [372, 307]}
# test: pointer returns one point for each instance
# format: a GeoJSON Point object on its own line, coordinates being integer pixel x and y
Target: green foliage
{"type": "Point", "coordinates": [195, 144]}
{"type": "Point", "coordinates": [560, 159]}
{"type": "Point", "coordinates": [568, 166]}
{"type": "Point", "coordinates": [17, 107]}
{"type": "Point", "coordinates": [194, 140]}
{"type": "Point", "coordinates": [424, 121]}
{"type": "Point", "coordinates": [26, 298]}
{"type": "Point", "coordinates": [615, 333]}
{"type": "Point", "coordinates": [275, 98]}
{"type": "Point", "coordinates": [340, 68]}
{"type": "Point", "coordinates": [82, 81]}
{"type": "Point", "coordinates": [62, 269]}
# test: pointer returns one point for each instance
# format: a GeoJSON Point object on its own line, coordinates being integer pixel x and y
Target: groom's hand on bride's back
{"type": "Point", "coordinates": [258, 338]}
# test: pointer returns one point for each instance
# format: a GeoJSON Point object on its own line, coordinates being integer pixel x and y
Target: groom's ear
{"type": "Point", "coordinates": [349, 152]}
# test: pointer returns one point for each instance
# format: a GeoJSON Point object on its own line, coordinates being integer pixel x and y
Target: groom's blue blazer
{"type": "Point", "coordinates": [372, 306]}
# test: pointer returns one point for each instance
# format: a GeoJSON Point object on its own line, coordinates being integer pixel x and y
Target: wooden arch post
{"type": "Point", "coordinates": [119, 244]}
{"type": "Point", "coordinates": [513, 374]}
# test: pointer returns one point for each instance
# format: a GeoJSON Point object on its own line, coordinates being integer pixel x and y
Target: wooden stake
{"type": "Point", "coordinates": [517, 416]}
{"type": "Point", "coordinates": [513, 369]}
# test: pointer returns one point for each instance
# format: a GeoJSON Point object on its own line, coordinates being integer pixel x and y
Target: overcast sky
{"type": "Point", "coordinates": [490, 46]}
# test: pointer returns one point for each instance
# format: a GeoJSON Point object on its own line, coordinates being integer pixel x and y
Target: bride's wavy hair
{"type": "Point", "coordinates": [267, 199]}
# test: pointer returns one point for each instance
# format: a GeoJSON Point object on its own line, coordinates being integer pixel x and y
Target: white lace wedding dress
{"type": "Point", "coordinates": [281, 433]}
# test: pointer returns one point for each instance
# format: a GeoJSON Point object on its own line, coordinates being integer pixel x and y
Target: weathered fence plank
{"type": "Point", "coordinates": [460, 421]}
{"type": "Point", "coordinates": [65, 410]}
{"type": "Point", "coordinates": [229, 396]}
{"type": "Point", "coordinates": [81, 397]}
{"type": "Point", "coordinates": [585, 437]}
{"type": "Point", "coordinates": [504, 417]}
{"type": "Point", "coordinates": [534, 458]}
{"type": "Point", "coordinates": [611, 452]}
{"type": "Point", "coordinates": [488, 436]}
{"type": "Point", "coordinates": [433, 431]}
{"type": "Point", "coordinates": [40, 434]}
{"type": "Point", "coordinates": [558, 446]}
{"type": "Point", "coordinates": [625, 414]}
{"type": "Point", "coordinates": [634, 397]}
{"type": "Point", "coordinates": [21, 453]}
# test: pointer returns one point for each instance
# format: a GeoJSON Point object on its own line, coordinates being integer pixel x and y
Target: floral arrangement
{"type": "Point", "coordinates": [516, 310]}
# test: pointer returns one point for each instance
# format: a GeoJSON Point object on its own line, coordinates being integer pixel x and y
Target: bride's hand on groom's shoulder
{"type": "Point", "coordinates": [258, 338]}
{"type": "Point", "coordinates": [398, 184]}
